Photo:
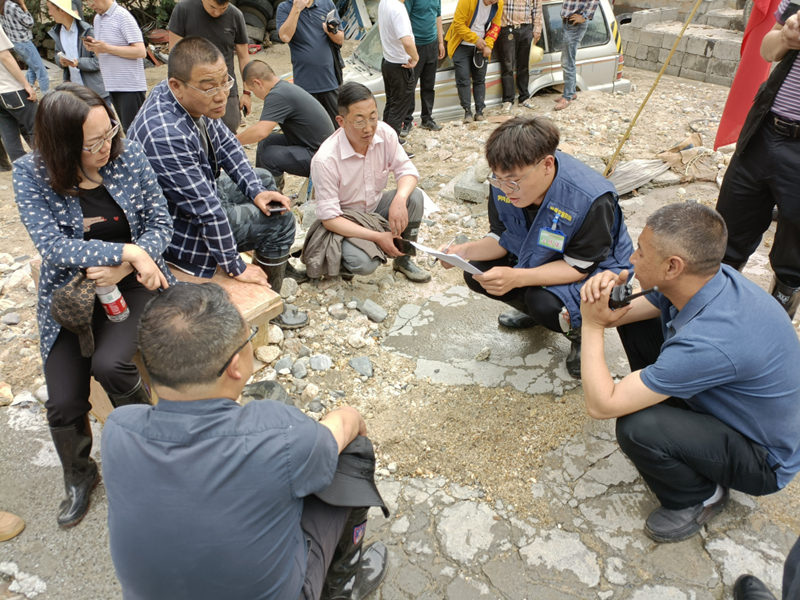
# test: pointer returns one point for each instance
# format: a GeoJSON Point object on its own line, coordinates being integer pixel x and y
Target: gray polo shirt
{"type": "Point", "coordinates": [732, 353]}
{"type": "Point", "coordinates": [205, 497]}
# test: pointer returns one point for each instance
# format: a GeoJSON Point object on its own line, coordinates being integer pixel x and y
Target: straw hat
{"type": "Point", "coordinates": [66, 6]}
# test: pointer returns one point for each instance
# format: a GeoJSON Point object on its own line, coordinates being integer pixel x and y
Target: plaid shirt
{"type": "Point", "coordinates": [581, 7]}
{"type": "Point", "coordinates": [16, 22]}
{"type": "Point", "coordinates": [517, 12]}
{"type": "Point", "coordinates": [203, 238]}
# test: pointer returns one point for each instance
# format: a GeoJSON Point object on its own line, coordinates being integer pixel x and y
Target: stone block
{"type": "Point", "coordinates": [677, 58]}
{"type": "Point", "coordinates": [726, 81]}
{"type": "Point", "coordinates": [674, 71]}
{"type": "Point", "coordinates": [630, 61]}
{"type": "Point", "coordinates": [654, 15]}
{"type": "Point", "coordinates": [469, 190]}
{"type": "Point", "coordinates": [629, 33]}
{"type": "Point", "coordinates": [647, 65]}
{"type": "Point", "coordinates": [700, 46]}
{"type": "Point", "coordinates": [733, 22]}
{"type": "Point", "coordinates": [669, 41]}
{"type": "Point", "coordinates": [728, 50]}
{"type": "Point", "coordinates": [652, 54]}
{"type": "Point", "coordinates": [641, 52]}
{"type": "Point", "coordinates": [651, 38]}
{"type": "Point", "coordinates": [629, 49]}
{"type": "Point", "coordinates": [694, 62]}
{"type": "Point", "coordinates": [695, 75]}
{"type": "Point", "coordinates": [722, 68]}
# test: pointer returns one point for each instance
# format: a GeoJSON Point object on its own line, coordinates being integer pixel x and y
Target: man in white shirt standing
{"type": "Point", "coordinates": [17, 102]}
{"type": "Point", "coordinates": [399, 59]}
{"type": "Point", "coordinates": [119, 46]}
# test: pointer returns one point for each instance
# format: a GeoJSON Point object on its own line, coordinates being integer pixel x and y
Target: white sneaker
{"type": "Point", "coordinates": [507, 107]}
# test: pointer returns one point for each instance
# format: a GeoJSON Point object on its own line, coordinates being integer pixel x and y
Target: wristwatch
{"type": "Point", "coordinates": [247, 92]}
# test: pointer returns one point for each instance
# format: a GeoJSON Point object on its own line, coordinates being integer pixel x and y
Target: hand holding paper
{"type": "Point", "coordinates": [451, 259]}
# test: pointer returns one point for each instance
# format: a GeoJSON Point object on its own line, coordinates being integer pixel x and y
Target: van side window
{"type": "Point", "coordinates": [596, 35]}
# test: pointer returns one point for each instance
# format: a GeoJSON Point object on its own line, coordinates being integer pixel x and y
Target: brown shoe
{"type": "Point", "coordinates": [10, 526]}
{"type": "Point", "coordinates": [562, 104]}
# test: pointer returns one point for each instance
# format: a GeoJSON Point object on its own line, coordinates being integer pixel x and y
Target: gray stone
{"type": "Point", "coordinates": [730, 50]}
{"type": "Point", "coordinates": [266, 390]}
{"type": "Point", "coordinates": [690, 74]}
{"type": "Point", "coordinates": [289, 287]}
{"type": "Point", "coordinates": [677, 57]}
{"type": "Point", "coordinates": [299, 370]}
{"type": "Point", "coordinates": [305, 352]}
{"type": "Point", "coordinates": [284, 363]}
{"type": "Point", "coordinates": [362, 365]}
{"type": "Point", "coordinates": [315, 406]}
{"type": "Point", "coordinates": [654, 15]}
{"type": "Point", "coordinates": [41, 394]}
{"type": "Point", "coordinates": [629, 33]}
{"type": "Point", "coordinates": [667, 178]}
{"type": "Point", "coordinates": [309, 214]}
{"type": "Point", "coordinates": [374, 311]}
{"type": "Point", "coordinates": [651, 38]}
{"type": "Point", "coordinates": [722, 68]}
{"type": "Point", "coordinates": [469, 190]}
{"type": "Point", "coordinates": [11, 319]}
{"type": "Point", "coordinates": [338, 312]}
{"type": "Point", "coordinates": [701, 46]}
{"type": "Point", "coordinates": [24, 399]}
{"type": "Point", "coordinates": [321, 362]}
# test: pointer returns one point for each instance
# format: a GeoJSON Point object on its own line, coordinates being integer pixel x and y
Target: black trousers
{"type": "Point", "coordinates": [765, 174]}
{"type": "Point", "coordinates": [17, 116]}
{"type": "Point", "coordinates": [425, 74]}
{"type": "Point", "coordinates": [465, 68]}
{"type": "Point", "coordinates": [791, 573]}
{"type": "Point", "coordinates": [398, 83]}
{"type": "Point", "coordinates": [330, 102]}
{"type": "Point", "coordinates": [276, 156]}
{"type": "Point", "coordinates": [681, 454]}
{"type": "Point", "coordinates": [514, 54]}
{"type": "Point", "coordinates": [323, 525]}
{"type": "Point", "coordinates": [127, 105]}
{"type": "Point", "coordinates": [67, 372]}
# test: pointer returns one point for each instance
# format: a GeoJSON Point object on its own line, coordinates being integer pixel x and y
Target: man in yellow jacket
{"type": "Point", "coordinates": [470, 40]}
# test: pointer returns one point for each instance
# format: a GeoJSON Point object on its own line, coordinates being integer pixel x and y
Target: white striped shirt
{"type": "Point", "coordinates": [787, 100]}
{"type": "Point", "coordinates": [117, 27]}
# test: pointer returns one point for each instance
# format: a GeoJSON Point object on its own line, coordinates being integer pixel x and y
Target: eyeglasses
{"type": "Point", "coordinates": [213, 91]}
{"type": "Point", "coordinates": [511, 185]}
{"type": "Point", "coordinates": [253, 332]}
{"type": "Point", "coordinates": [98, 145]}
{"type": "Point", "coordinates": [361, 123]}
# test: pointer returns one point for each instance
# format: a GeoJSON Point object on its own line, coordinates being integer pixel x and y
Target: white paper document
{"type": "Point", "coordinates": [450, 259]}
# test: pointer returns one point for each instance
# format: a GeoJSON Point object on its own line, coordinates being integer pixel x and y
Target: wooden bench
{"type": "Point", "coordinates": [257, 304]}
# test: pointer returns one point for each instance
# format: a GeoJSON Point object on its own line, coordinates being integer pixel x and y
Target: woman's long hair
{"type": "Point", "coordinates": [58, 134]}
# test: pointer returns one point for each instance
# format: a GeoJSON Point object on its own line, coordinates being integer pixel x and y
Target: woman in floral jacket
{"type": "Point", "coordinates": [90, 202]}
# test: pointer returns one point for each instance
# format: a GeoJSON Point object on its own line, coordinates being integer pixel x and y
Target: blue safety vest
{"type": "Point", "coordinates": [574, 189]}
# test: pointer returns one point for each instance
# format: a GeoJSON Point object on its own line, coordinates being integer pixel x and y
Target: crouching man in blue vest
{"type": "Point", "coordinates": [552, 222]}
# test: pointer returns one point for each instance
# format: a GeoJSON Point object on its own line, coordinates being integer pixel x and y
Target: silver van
{"type": "Point", "coordinates": [599, 62]}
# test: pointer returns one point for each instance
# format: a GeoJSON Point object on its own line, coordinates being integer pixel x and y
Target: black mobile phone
{"type": "Point", "coordinates": [276, 208]}
{"type": "Point", "coordinates": [791, 9]}
{"type": "Point", "coordinates": [405, 247]}
{"type": "Point", "coordinates": [622, 295]}
{"type": "Point", "coordinates": [244, 111]}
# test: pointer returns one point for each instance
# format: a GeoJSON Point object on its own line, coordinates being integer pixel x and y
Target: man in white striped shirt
{"type": "Point", "coordinates": [119, 46]}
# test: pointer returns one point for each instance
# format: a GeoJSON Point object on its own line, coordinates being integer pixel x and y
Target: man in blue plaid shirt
{"type": "Point", "coordinates": [215, 217]}
{"type": "Point", "coordinates": [575, 15]}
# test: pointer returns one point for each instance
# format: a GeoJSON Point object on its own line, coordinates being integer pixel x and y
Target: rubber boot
{"type": "Point", "coordinates": [354, 572]}
{"type": "Point", "coordinates": [517, 317]}
{"type": "Point", "coordinates": [280, 181]}
{"type": "Point", "coordinates": [290, 318]}
{"type": "Point", "coordinates": [73, 445]}
{"type": "Point", "coordinates": [299, 275]}
{"type": "Point", "coordinates": [574, 356]}
{"type": "Point", "coordinates": [138, 395]}
{"type": "Point", "coordinates": [788, 297]}
{"type": "Point", "coordinates": [404, 264]}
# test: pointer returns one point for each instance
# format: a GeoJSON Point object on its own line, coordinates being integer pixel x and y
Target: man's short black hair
{"type": "Point", "coordinates": [693, 231]}
{"type": "Point", "coordinates": [350, 93]}
{"type": "Point", "coordinates": [190, 52]}
{"type": "Point", "coordinates": [186, 334]}
{"type": "Point", "coordinates": [521, 142]}
{"type": "Point", "coordinates": [257, 69]}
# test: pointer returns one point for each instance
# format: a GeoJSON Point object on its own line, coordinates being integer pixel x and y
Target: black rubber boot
{"type": "Point", "coordinates": [138, 395]}
{"type": "Point", "coordinates": [404, 264]}
{"type": "Point", "coordinates": [275, 269]}
{"type": "Point", "coordinates": [73, 445]}
{"type": "Point", "coordinates": [750, 587]}
{"type": "Point", "coordinates": [517, 317]}
{"type": "Point", "coordinates": [354, 572]}
{"type": "Point", "coordinates": [788, 297]}
{"type": "Point", "coordinates": [574, 356]}
{"type": "Point", "coordinates": [299, 275]}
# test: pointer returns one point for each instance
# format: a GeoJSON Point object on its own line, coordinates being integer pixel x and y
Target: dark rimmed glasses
{"type": "Point", "coordinates": [253, 332]}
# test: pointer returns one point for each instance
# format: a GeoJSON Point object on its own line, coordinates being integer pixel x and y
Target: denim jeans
{"type": "Point", "coordinates": [573, 34]}
{"type": "Point", "coordinates": [36, 69]}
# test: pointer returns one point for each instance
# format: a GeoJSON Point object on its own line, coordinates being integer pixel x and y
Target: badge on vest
{"type": "Point", "coordinates": [358, 532]}
{"type": "Point", "coordinates": [551, 237]}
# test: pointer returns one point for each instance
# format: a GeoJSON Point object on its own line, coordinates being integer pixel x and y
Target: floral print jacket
{"type": "Point", "coordinates": [55, 224]}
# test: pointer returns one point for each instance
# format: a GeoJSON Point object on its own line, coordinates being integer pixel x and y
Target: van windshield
{"type": "Point", "coordinates": [370, 51]}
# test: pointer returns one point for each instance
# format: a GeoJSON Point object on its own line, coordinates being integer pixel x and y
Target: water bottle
{"type": "Point", "coordinates": [114, 304]}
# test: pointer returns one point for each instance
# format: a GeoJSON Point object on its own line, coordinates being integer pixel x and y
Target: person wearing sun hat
{"type": "Point", "coordinates": [81, 65]}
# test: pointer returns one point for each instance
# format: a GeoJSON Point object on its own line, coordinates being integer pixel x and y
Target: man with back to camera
{"type": "Point", "coordinates": [350, 171]}
{"type": "Point", "coordinates": [208, 499]}
{"type": "Point", "coordinates": [215, 217]}
{"type": "Point", "coordinates": [302, 24]}
{"type": "Point", "coordinates": [223, 25]}
{"type": "Point", "coordinates": [304, 124]}
{"type": "Point", "coordinates": [553, 221]}
{"type": "Point", "coordinates": [713, 400]}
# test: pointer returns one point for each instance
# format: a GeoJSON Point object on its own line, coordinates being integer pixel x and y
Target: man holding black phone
{"type": "Point", "coordinates": [713, 400]}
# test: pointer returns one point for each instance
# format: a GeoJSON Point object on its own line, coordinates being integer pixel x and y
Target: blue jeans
{"type": "Point", "coordinates": [573, 34]}
{"type": "Point", "coordinates": [36, 69]}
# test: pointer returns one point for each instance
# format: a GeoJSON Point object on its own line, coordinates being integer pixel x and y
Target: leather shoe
{"type": "Point", "coordinates": [516, 319]}
{"type": "Point", "coordinates": [750, 587]}
{"type": "Point", "coordinates": [371, 570]}
{"type": "Point", "coordinates": [664, 525]}
{"type": "Point", "coordinates": [10, 525]}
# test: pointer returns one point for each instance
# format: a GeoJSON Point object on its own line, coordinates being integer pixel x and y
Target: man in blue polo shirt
{"type": "Point", "coordinates": [713, 401]}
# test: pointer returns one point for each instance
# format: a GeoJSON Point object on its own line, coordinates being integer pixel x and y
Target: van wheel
{"type": "Point", "coordinates": [624, 18]}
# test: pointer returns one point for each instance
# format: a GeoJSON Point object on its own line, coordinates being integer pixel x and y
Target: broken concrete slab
{"type": "Point", "coordinates": [468, 189]}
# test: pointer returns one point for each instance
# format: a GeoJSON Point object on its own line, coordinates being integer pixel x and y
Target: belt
{"type": "Point", "coordinates": [788, 128]}
{"type": "Point", "coordinates": [520, 26]}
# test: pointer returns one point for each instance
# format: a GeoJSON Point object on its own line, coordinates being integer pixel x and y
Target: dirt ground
{"type": "Point", "coordinates": [494, 438]}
